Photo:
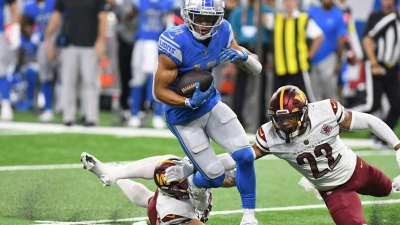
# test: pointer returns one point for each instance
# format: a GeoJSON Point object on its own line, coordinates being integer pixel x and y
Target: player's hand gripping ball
{"type": "Point", "coordinates": [186, 86]}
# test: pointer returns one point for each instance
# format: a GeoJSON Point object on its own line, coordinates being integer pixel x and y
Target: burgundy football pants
{"type": "Point", "coordinates": [344, 203]}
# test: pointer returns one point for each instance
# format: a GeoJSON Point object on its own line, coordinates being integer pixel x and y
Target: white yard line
{"type": "Point", "coordinates": [79, 165]}
{"type": "Point", "coordinates": [227, 212]}
{"type": "Point", "coordinates": [10, 128]}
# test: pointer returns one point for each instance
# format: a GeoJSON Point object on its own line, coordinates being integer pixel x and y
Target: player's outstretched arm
{"type": "Point", "coordinates": [241, 57]}
{"type": "Point", "coordinates": [361, 121]}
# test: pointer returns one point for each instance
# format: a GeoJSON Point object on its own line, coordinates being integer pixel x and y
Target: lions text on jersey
{"type": "Point", "coordinates": [40, 13]}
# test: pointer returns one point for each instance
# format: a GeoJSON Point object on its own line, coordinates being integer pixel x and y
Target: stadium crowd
{"type": "Point", "coordinates": [55, 62]}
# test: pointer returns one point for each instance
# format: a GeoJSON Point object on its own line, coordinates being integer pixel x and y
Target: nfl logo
{"type": "Point", "coordinates": [326, 129]}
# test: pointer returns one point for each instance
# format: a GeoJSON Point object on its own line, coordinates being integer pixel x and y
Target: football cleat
{"type": "Point", "coordinates": [101, 170]}
{"type": "Point", "coordinates": [134, 121]}
{"type": "Point", "coordinates": [158, 122]}
{"type": "Point", "coordinates": [249, 222]}
{"type": "Point", "coordinates": [198, 196]}
{"type": "Point", "coordinates": [6, 111]}
{"type": "Point", "coordinates": [46, 116]}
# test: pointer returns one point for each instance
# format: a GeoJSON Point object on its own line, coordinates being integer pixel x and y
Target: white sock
{"type": "Point", "coordinates": [137, 193]}
{"type": "Point", "coordinates": [140, 169]}
{"type": "Point", "coordinates": [248, 214]}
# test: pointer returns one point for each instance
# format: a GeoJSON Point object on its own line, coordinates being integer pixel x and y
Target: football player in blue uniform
{"type": "Point", "coordinates": [40, 11]}
{"type": "Point", "coordinates": [8, 56]}
{"type": "Point", "coordinates": [202, 43]}
{"type": "Point", "coordinates": [144, 57]}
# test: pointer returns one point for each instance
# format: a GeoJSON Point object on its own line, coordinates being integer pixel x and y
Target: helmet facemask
{"type": "Point", "coordinates": [200, 13]}
{"type": "Point", "coordinates": [289, 112]}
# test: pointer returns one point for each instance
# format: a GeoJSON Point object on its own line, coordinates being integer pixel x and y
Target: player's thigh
{"type": "Point", "coordinates": [344, 206]}
{"type": "Point", "coordinates": [4, 55]}
{"type": "Point", "coordinates": [373, 181]}
{"type": "Point", "coordinates": [196, 144]}
{"type": "Point", "coordinates": [138, 76]}
{"type": "Point", "coordinates": [149, 56]}
{"type": "Point", "coordinates": [46, 66]}
{"type": "Point", "coordinates": [89, 67]}
{"type": "Point", "coordinates": [225, 129]}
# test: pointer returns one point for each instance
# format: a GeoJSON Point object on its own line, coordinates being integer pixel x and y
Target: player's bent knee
{"type": "Point", "coordinates": [243, 156]}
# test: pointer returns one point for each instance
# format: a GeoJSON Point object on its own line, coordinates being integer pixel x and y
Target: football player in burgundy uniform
{"type": "Point", "coordinates": [170, 203]}
{"type": "Point", "coordinates": [307, 137]}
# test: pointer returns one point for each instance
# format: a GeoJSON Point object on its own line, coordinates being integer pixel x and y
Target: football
{"type": "Point", "coordinates": [187, 84]}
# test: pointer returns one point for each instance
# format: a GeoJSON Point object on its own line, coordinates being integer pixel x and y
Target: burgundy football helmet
{"type": "Point", "coordinates": [177, 189]}
{"type": "Point", "coordinates": [289, 103]}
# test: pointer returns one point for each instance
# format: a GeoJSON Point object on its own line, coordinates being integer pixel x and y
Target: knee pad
{"type": "Point", "coordinates": [244, 156]}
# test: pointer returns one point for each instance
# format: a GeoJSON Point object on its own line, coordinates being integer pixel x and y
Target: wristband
{"type": "Point", "coordinates": [187, 103]}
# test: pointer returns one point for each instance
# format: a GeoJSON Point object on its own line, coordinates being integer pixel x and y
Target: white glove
{"type": "Point", "coordinates": [396, 184]}
{"type": "Point", "coordinates": [182, 170]}
{"type": "Point", "coordinates": [15, 36]}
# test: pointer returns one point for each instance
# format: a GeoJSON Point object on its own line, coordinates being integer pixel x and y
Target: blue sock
{"type": "Point", "coordinates": [31, 76]}
{"type": "Point", "coordinates": [5, 88]}
{"type": "Point", "coordinates": [200, 181]}
{"type": "Point", "coordinates": [47, 89]}
{"type": "Point", "coordinates": [136, 98]}
{"type": "Point", "coordinates": [246, 176]}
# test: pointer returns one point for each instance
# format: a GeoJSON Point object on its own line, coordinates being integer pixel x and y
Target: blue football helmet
{"type": "Point", "coordinates": [195, 12]}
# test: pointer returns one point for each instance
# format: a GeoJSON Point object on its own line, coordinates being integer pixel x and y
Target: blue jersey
{"type": "Point", "coordinates": [179, 44]}
{"type": "Point", "coordinates": [151, 21]}
{"type": "Point", "coordinates": [2, 4]}
{"type": "Point", "coordinates": [39, 13]}
{"type": "Point", "coordinates": [29, 48]}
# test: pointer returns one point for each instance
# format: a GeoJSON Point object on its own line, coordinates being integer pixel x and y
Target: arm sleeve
{"type": "Point", "coordinates": [362, 121]}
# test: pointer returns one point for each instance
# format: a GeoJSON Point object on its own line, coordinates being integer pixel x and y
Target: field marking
{"type": "Point", "coordinates": [122, 132]}
{"type": "Point", "coordinates": [226, 212]}
{"type": "Point", "coordinates": [80, 165]}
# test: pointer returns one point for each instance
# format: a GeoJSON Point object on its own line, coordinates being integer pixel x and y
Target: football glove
{"type": "Point", "coordinates": [396, 184]}
{"type": "Point", "coordinates": [182, 170]}
{"type": "Point", "coordinates": [199, 97]}
{"type": "Point", "coordinates": [233, 55]}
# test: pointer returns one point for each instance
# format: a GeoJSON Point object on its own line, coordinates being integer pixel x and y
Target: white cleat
{"type": "Point", "coordinates": [134, 121]}
{"type": "Point", "coordinates": [198, 196]}
{"type": "Point", "coordinates": [249, 222]}
{"type": "Point", "coordinates": [101, 170]}
{"type": "Point", "coordinates": [46, 116]}
{"type": "Point", "coordinates": [6, 111]}
{"type": "Point", "coordinates": [158, 122]}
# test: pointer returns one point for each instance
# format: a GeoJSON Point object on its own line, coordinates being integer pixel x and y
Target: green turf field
{"type": "Point", "coordinates": [32, 195]}
{"type": "Point", "coordinates": [44, 195]}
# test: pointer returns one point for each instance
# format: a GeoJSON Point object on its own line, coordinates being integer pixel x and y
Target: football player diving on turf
{"type": "Point", "coordinates": [306, 135]}
{"type": "Point", "coordinates": [202, 43]}
{"type": "Point", "coordinates": [170, 203]}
